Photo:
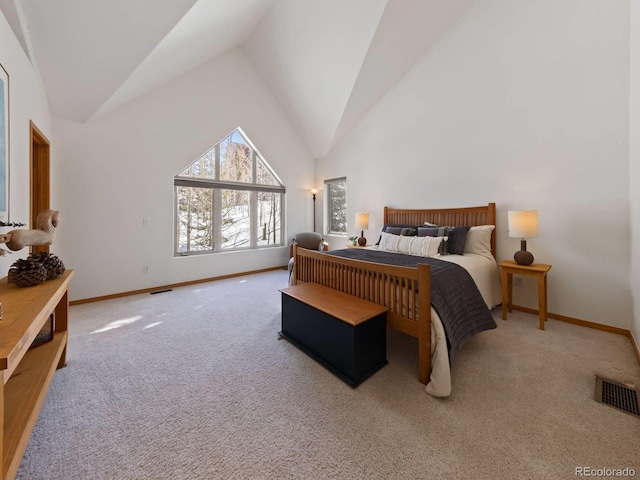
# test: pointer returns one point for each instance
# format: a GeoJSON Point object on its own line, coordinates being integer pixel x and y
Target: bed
{"type": "Point", "coordinates": [396, 287]}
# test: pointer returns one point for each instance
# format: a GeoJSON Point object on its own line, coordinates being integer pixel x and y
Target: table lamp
{"type": "Point", "coordinates": [523, 224]}
{"type": "Point", "coordinates": [362, 223]}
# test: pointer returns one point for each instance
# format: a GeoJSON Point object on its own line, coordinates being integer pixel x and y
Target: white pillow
{"type": "Point", "coordinates": [431, 245]}
{"type": "Point", "coordinates": [388, 242]}
{"type": "Point", "coordinates": [423, 246]}
{"type": "Point", "coordinates": [410, 245]}
{"type": "Point", "coordinates": [479, 240]}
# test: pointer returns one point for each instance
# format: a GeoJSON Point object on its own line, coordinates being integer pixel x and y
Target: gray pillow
{"type": "Point", "coordinates": [457, 238]}
{"type": "Point", "coordinates": [405, 231]}
{"type": "Point", "coordinates": [398, 229]}
{"type": "Point", "coordinates": [433, 231]}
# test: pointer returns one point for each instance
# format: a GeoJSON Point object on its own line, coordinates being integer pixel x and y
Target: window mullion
{"type": "Point", "coordinates": [217, 162]}
{"type": "Point", "coordinates": [217, 205]}
{"type": "Point", "coordinates": [253, 205]}
{"type": "Point", "coordinates": [216, 198]}
{"type": "Point", "coordinates": [281, 219]}
{"type": "Point", "coordinates": [253, 219]}
{"type": "Point", "coordinates": [176, 222]}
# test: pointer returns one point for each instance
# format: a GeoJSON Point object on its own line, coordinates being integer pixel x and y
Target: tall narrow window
{"type": "Point", "coordinates": [336, 206]}
{"type": "Point", "coordinates": [228, 199]}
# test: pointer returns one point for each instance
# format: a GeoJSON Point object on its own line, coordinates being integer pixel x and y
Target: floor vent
{"type": "Point", "coordinates": [617, 396]}
{"type": "Point", "coordinates": [161, 291]}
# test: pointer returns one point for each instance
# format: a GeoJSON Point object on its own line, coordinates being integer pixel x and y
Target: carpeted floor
{"type": "Point", "coordinates": [195, 384]}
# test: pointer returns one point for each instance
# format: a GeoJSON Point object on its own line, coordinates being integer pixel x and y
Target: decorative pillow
{"type": "Point", "coordinates": [479, 240]}
{"type": "Point", "coordinates": [457, 238]}
{"type": "Point", "coordinates": [406, 231]}
{"type": "Point", "coordinates": [423, 246]}
{"type": "Point", "coordinates": [410, 245]}
{"type": "Point", "coordinates": [401, 225]}
{"type": "Point", "coordinates": [444, 246]}
{"type": "Point", "coordinates": [388, 242]}
{"type": "Point", "coordinates": [434, 231]}
{"type": "Point", "coordinates": [437, 232]}
{"type": "Point", "coordinates": [431, 245]}
{"type": "Point", "coordinates": [395, 226]}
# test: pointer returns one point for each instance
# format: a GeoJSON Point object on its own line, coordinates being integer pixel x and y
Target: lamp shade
{"type": "Point", "coordinates": [362, 220]}
{"type": "Point", "coordinates": [523, 223]}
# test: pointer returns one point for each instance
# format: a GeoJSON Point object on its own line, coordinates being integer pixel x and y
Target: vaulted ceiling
{"type": "Point", "coordinates": [326, 61]}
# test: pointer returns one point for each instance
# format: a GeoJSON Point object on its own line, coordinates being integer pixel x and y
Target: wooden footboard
{"type": "Point", "coordinates": [392, 286]}
{"type": "Point", "coordinates": [409, 308]}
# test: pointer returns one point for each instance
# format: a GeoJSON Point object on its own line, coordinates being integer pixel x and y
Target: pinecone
{"type": "Point", "coordinates": [53, 265]}
{"type": "Point", "coordinates": [27, 272]}
{"type": "Point", "coordinates": [39, 257]}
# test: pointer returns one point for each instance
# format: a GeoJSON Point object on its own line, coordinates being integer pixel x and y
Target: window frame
{"type": "Point", "coordinates": [217, 186]}
{"type": "Point", "coordinates": [328, 210]}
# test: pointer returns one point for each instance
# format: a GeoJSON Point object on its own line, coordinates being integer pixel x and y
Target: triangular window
{"type": "Point", "coordinates": [228, 198]}
{"type": "Point", "coordinates": [234, 159]}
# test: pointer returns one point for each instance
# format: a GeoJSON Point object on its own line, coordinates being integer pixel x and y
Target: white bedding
{"type": "Point", "coordinates": [484, 272]}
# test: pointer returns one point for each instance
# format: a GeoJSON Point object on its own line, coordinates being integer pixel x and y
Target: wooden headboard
{"type": "Point", "coordinates": [452, 217]}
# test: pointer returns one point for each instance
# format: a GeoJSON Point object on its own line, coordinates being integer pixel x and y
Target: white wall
{"type": "Point", "coordinates": [118, 169]}
{"type": "Point", "coordinates": [634, 165]}
{"type": "Point", "coordinates": [27, 101]}
{"type": "Point", "coordinates": [524, 104]}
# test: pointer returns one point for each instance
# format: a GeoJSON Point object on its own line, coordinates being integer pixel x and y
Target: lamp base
{"type": "Point", "coordinates": [362, 241]}
{"type": "Point", "coordinates": [523, 257]}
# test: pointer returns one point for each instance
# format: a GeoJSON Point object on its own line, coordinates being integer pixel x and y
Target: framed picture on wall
{"type": "Point", "coordinates": [4, 145]}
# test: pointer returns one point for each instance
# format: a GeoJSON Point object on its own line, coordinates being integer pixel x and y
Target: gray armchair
{"type": "Point", "coordinates": [308, 240]}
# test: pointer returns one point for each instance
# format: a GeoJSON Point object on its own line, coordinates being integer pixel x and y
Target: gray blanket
{"type": "Point", "coordinates": [454, 294]}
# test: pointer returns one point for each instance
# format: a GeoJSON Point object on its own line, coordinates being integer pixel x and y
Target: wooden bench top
{"type": "Point", "coordinates": [340, 305]}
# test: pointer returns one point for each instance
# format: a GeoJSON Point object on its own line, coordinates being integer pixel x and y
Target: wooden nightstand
{"type": "Point", "coordinates": [357, 246]}
{"type": "Point", "coordinates": [538, 270]}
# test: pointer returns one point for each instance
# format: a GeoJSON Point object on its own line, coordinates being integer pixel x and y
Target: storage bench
{"type": "Point", "coordinates": [345, 334]}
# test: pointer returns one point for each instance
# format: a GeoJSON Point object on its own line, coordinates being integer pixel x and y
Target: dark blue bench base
{"type": "Point", "coordinates": [352, 353]}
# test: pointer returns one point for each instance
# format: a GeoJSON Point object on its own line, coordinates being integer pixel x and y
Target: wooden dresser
{"type": "Point", "coordinates": [27, 373]}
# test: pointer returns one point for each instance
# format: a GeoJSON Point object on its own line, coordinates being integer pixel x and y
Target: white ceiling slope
{"type": "Point", "coordinates": [12, 13]}
{"type": "Point", "coordinates": [326, 61]}
{"type": "Point", "coordinates": [85, 50]}
{"type": "Point", "coordinates": [310, 53]}
{"type": "Point", "coordinates": [406, 31]}
{"type": "Point", "coordinates": [209, 29]}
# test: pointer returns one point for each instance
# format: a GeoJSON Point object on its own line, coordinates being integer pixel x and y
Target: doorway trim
{"type": "Point", "coordinates": [39, 154]}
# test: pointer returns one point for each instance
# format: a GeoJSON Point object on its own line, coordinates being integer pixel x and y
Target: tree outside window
{"type": "Point", "coordinates": [336, 206]}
